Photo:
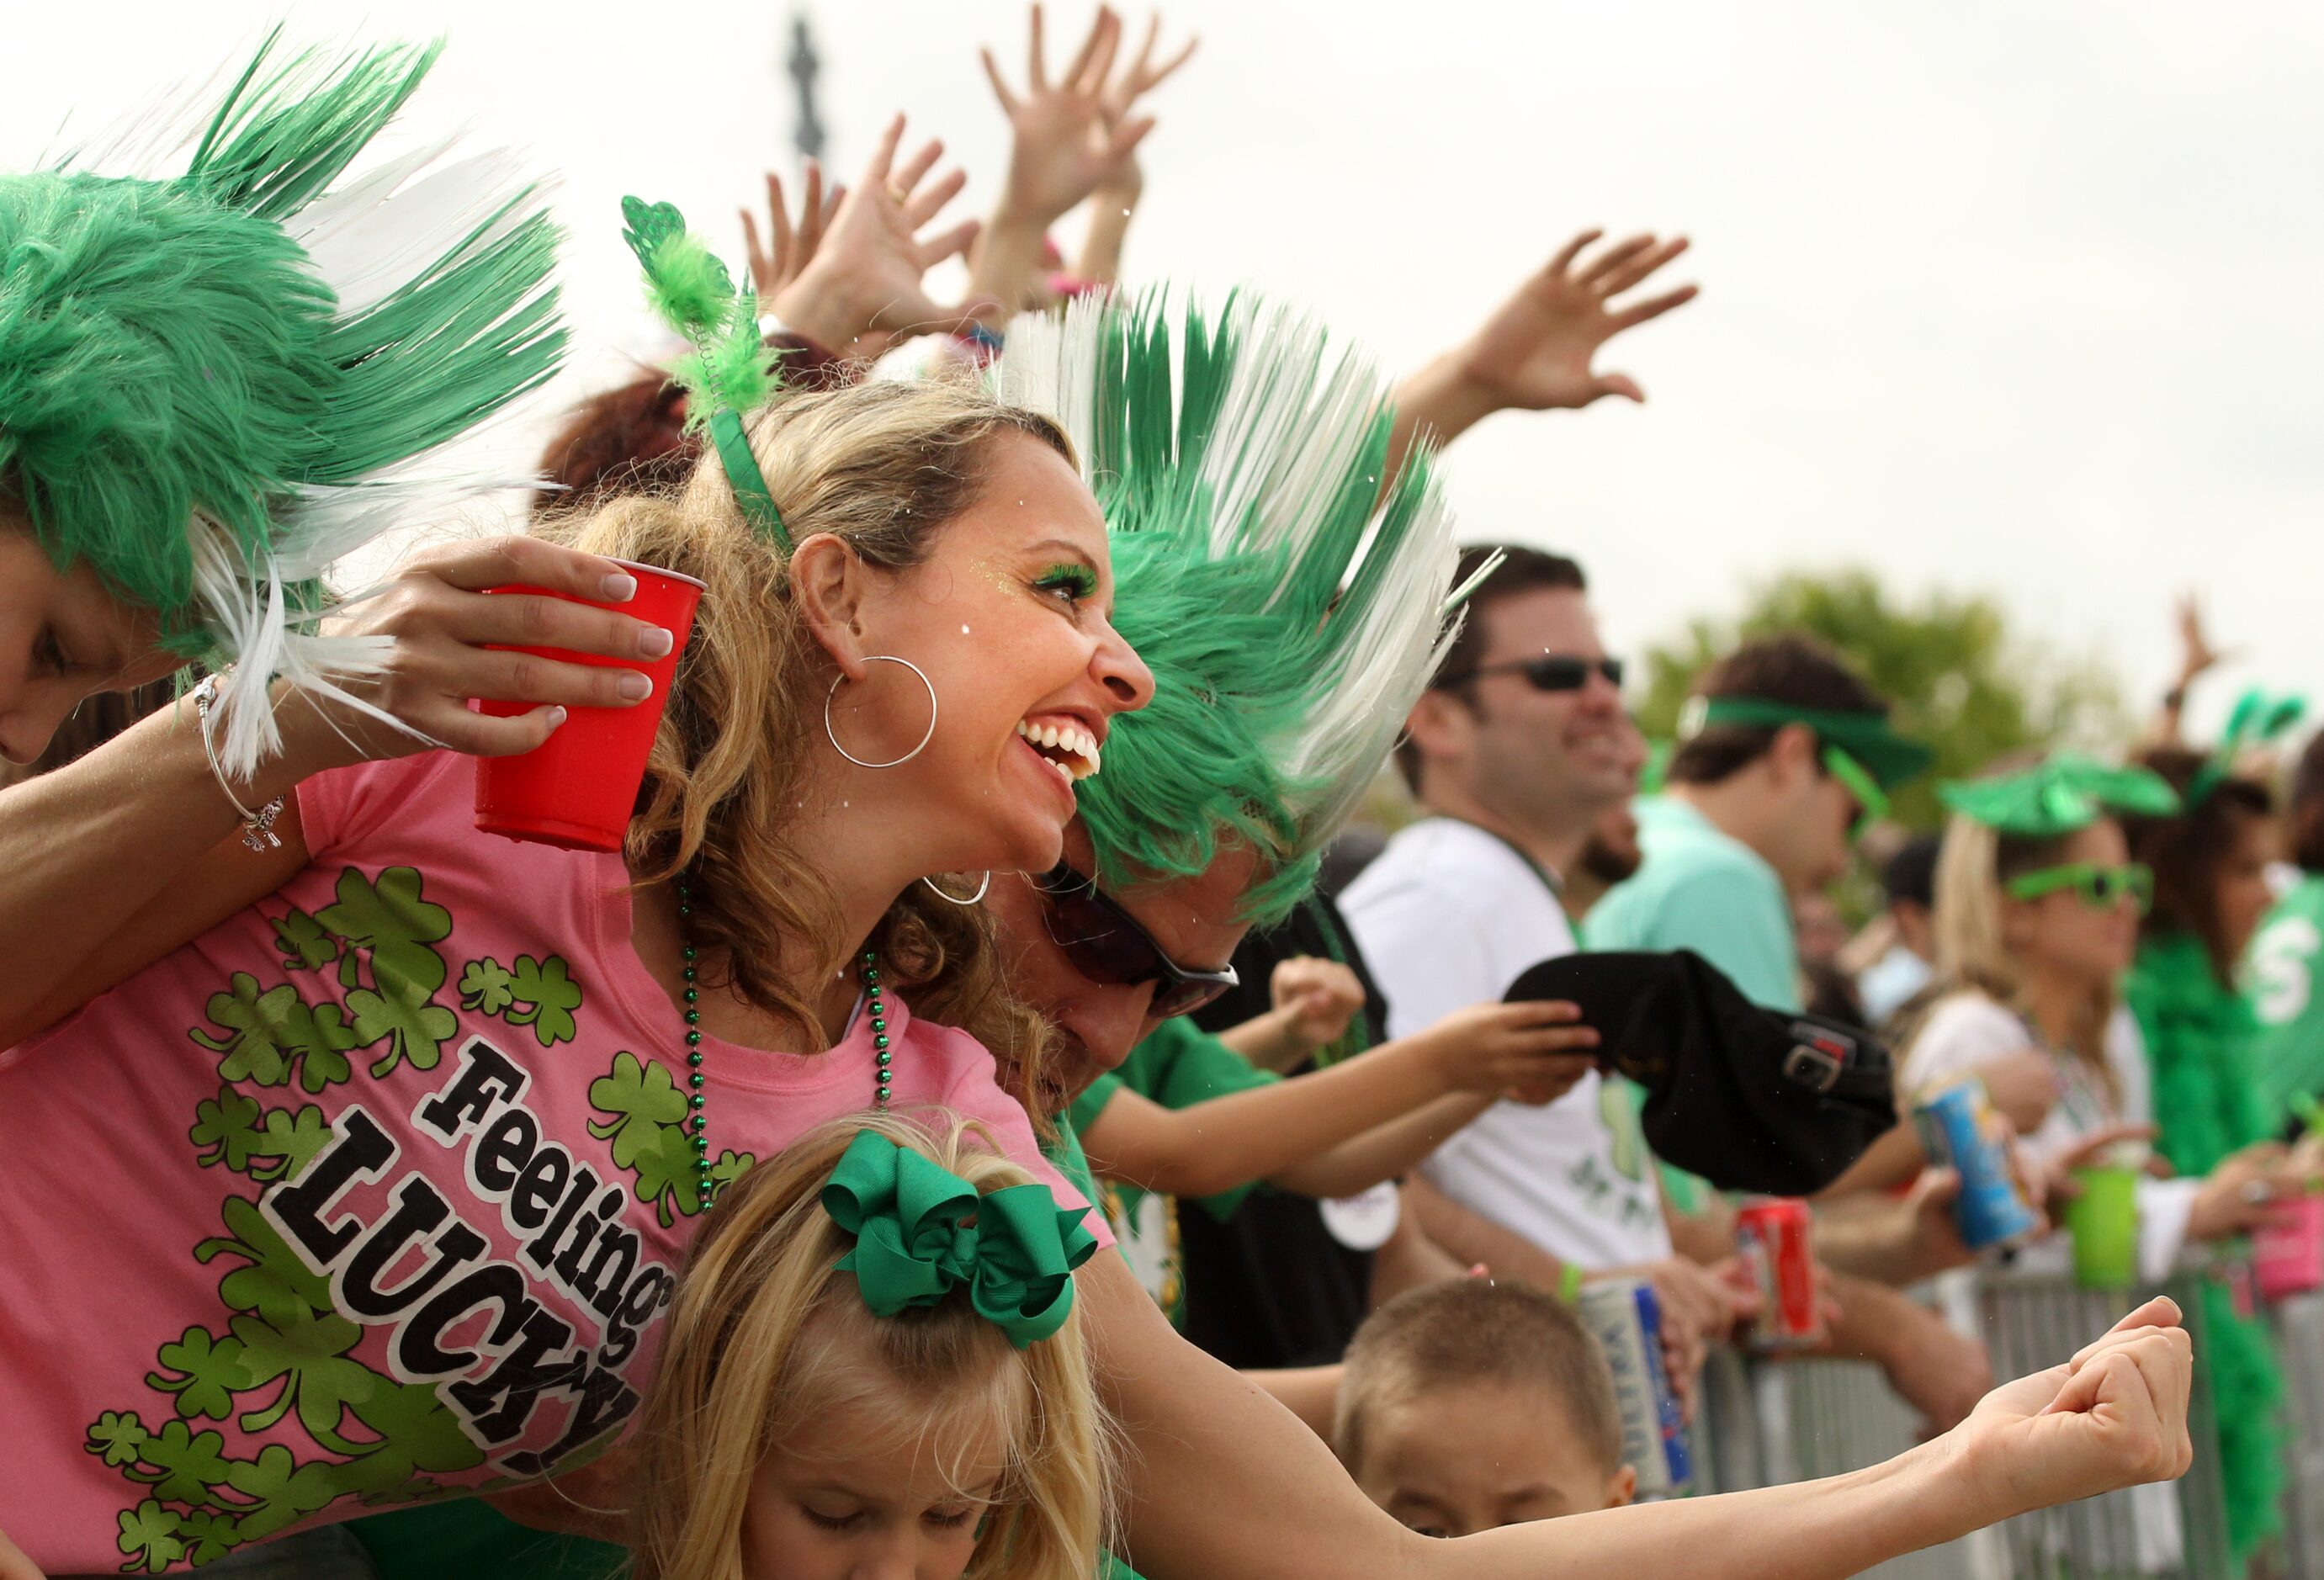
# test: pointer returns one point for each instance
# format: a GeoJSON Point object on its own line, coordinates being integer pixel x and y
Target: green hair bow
{"type": "Point", "coordinates": [2258, 719]}
{"type": "Point", "coordinates": [2060, 797]}
{"type": "Point", "coordinates": [730, 370]}
{"type": "Point", "coordinates": [921, 1231]}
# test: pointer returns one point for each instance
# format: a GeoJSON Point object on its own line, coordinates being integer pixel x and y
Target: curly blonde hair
{"type": "Point", "coordinates": [882, 466]}
{"type": "Point", "coordinates": [766, 1336]}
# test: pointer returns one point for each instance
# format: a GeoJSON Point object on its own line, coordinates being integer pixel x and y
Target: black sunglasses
{"type": "Point", "coordinates": [1106, 945]}
{"type": "Point", "coordinates": [1552, 671]}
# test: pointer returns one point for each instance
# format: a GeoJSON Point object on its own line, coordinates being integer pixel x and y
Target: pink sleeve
{"type": "Point", "coordinates": [347, 805]}
{"type": "Point", "coordinates": [975, 1094]}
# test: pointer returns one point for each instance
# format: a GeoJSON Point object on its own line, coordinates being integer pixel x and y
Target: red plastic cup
{"type": "Point", "coordinates": [578, 788]}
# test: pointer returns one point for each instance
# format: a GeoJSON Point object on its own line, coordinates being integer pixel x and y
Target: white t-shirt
{"type": "Point", "coordinates": [1969, 1029]}
{"type": "Point", "coordinates": [1448, 917]}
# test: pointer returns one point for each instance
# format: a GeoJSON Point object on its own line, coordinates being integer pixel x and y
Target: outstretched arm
{"type": "Point", "coordinates": [1282, 1130]}
{"type": "Point", "coordinates": [1061, 148]}
{"type": "Point", "coordinates": [1224, 1483]}
{"type": "Point", "coordinates": [1534, 354]}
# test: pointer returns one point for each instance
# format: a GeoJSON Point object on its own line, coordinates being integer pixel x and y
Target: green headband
{"type": "Point", "coordinates": [2061, 796]}
{"type": "Point", "coordinates": [730, 370]}
{"type": "Point", "coordinates": [2258, 719]}
{"type": "Point", "coordinates": [921, 1231]}
{"type": "Point", "coordinates": [1886, 755]}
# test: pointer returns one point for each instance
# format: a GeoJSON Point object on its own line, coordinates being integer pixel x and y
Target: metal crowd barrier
{"type": "Point", "coordinates": [1763, 1423]}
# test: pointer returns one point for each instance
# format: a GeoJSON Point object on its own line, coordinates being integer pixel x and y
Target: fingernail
{"type": "Point", "coordinates": [634, 687]}
{"type": "Point", "coordinates": [655, 642]}
{"type": "Point", "coordinates": [555, 717]}
{"type": "Point", "coordinates": [621, 587]}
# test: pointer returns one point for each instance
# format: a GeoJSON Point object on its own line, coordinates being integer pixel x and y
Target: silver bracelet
{"type": "Point", "coordinates": [257, 827]}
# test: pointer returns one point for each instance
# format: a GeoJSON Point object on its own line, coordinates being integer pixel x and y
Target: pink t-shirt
{"type": "Point", "coordinates": [375, 1190]}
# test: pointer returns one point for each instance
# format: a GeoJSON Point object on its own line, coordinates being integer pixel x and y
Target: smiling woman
{"type": "Point", "coordinates": [465, 1100]}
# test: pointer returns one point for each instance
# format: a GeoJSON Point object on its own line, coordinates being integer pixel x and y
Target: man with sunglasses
{"type": "Point", "coordinates": [1519, 746]}
{"type": "Point", "coordinates": [1161, 1102]}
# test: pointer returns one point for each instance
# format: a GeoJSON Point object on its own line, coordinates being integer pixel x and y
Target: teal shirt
{"type": "Point", "coordinates": [1705, 890]}
{"type": "Point", "coordinates": [2280, 977]}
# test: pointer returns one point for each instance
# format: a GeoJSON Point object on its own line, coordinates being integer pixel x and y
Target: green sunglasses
{"type": "Point", "coordinates": [2101, 887]}
{"type": "Point", "coordinates": [1871, 801]}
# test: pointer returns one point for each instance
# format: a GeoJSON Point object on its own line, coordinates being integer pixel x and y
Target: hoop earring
{"type": "Point", "coordinates": [970, 901]}
{"type": "Point", "coordinates": [926, 736]}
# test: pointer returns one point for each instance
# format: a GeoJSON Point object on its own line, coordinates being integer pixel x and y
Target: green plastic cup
{"type": "Point", "coordinates": [2103, 1219]}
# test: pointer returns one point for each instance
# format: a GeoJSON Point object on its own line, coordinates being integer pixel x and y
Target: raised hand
{"type": "Point", "coordinates": [776, 266]}
{"type": "Point", "coordinates": [861, 291]}
{"type": "Point", "coordinates": [1122, 91]}
{"type": "Point", "coordinates": [1536, 351]}
{"type": "Point", "coordinates": [1061, 146]}
{"type": "Point", "coordinates": [2197, 656]}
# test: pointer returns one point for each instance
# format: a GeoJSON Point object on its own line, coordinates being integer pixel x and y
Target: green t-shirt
{"type": "Point", "coordinates": [1177, 1066]}
{"type": "Point", "coordinates": [1702, 888]}
{"type": "Point", "coordinates": [2280, 977]}
{"type": "Point", "coordinates": [465, 1537]}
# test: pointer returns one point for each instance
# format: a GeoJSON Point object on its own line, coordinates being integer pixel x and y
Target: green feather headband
{"type": "Point", "coordinates": [2060, 797]}
{"type": "Point", "coordinates": [215, 384]}
{"type": "Point", "coordinates": [1291, 614]}
{"type": "Point", "coordinates": [2258, 719]}
{"type": "Point", "coordinates": [730, 370]}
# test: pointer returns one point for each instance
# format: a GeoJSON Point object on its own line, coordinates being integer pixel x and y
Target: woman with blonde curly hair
{"type": "Point", "coordinates": [873, 1360]}
{"type": "Point", "coordinates": [406, 1145]}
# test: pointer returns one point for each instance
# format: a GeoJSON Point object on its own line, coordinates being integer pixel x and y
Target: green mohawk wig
{"type": "Point", "coordinates": [1290, 601]}
{"type": "Point", "coordinates": [215, 383]}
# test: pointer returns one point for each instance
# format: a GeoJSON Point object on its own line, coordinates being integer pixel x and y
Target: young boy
{"type": "Point", "coordinates": [1471, 1404]}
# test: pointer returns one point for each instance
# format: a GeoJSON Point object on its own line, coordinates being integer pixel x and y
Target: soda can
{"type": "Point", "coordinates": [1625, 1317]}
{"type": "Point", "coordinates": [1958, 1130]}
{"type": "Point", "coordinates": [1775, 1238]}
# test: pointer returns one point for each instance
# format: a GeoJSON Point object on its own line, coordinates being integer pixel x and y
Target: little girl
{"type": "Point", "coordinates": [872, 1362]}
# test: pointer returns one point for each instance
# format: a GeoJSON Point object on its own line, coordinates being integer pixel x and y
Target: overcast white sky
{"type": "Point", "coordinates": [2014, 298]}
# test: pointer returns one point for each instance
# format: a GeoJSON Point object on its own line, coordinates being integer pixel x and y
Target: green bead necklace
{"type": "Point", "coordinates": [698, 1120]}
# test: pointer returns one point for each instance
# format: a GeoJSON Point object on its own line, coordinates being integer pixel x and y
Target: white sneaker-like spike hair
{"type": "Point", "coordinates": [1291, 599]}
{"type": "Point", "coordinates": [277, 354]}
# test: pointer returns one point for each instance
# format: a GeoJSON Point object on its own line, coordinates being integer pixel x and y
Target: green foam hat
{"type": "Point", "coordinates": [2060, 796]}
{"type": "Point", "coordinates": [215, 383]}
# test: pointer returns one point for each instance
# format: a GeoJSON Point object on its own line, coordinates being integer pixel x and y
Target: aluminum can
{"type": "Point", "coordinates": [1774, 1235]}
{"type": "Point", "coordinates": [1960, 1130]}
{"type": "Point", "coordinates": [1626, 1316]}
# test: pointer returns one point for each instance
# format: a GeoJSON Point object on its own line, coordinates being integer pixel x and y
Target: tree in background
{"type": "Point", "coordinates": [1959, 680]}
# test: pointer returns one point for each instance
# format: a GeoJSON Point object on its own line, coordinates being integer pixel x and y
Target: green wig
{"type": "Point", "coordinates": [1290, 605]}
{"type": "Point", "coordinates": [215, 384]}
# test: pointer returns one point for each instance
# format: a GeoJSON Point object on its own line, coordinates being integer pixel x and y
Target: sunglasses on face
{"type": "Point", "coordinates": [1107, 946]}
{"type": "Point", "coordinates": [1552, 671]}
{"type": "Point", "coordinates": [2102, 888]}
{"type": "Point", "coordinates": [1871, 801]}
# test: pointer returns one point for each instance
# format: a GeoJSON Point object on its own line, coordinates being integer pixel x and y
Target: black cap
{"type": "Point", "coordinates": [1749, 1099]}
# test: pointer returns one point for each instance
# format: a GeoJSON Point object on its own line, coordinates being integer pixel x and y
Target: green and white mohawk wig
{"type": "Point", "coordinates": [1291, 602]}
{"type": "Point", "coordinates": [215, 383]}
